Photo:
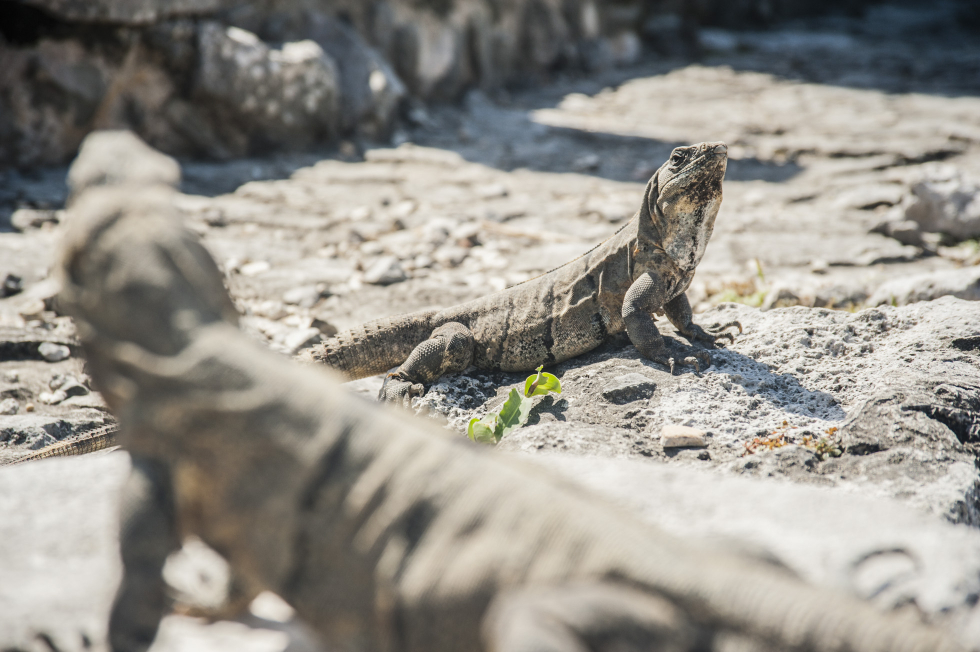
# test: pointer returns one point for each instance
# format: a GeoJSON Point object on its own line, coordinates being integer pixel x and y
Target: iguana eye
{"type": "Point", "coordinates": [676, 158]}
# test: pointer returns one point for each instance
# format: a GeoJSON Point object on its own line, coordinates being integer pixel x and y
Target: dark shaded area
{"type": "Point", "coordinates": [13, 351]}
{"type": "Point", "coordinates": [967, 343]}
{"type": "Point", "coordinates": [23, 25]}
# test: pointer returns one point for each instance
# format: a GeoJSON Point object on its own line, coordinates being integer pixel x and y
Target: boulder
{"type": "Point", "coordinates": [370, 91]}
{"type": "Point", "coordinates": [127, 12]}
{"type": "Point", "coordinates": [277, 97]}
{"type": "Point", "coordinates": [962, 283]}
{"type": "Point", "coordinates": [946, 201]}
{"type": "Point", "coordinates": [884, 401]}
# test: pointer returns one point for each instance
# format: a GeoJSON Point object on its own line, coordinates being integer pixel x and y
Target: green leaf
{"type": "Point", "coordinates": [480, 432]}
{"type": "Point", "coordinates": [541, 383]}
{"type": "Point", "coordinates": [513, 414]}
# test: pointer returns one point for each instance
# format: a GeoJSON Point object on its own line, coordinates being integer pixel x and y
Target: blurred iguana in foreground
{"type": "Point", "coordinates": [382, 534]}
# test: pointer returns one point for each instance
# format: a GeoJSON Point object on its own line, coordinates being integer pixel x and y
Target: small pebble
{"type": "Point", "coordinates": [52, 398]}
{"type": "Point", "coordinates": [9, 406]}
{"type": "Point", "coordinates": [53, 352]}
{"type": "Point", "coordinates": [672, 436]}
{"type": "Point", "coordinates": [29, 407]}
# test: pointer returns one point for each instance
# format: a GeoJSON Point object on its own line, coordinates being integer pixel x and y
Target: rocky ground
{"type": "Point", "coordinates": [851, 217]}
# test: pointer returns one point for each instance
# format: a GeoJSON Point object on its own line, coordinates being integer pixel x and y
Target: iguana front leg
{"type": "Point", "coordinates": [678, 311]}
{"type": "Point", "coordinates": [644, 297]}
{"type": "Point", "coordinates": [147, 535]}
{"type": "Point", "coordinates": [584, 617]}
{"type": "Point", "coordinates": [448, 350]}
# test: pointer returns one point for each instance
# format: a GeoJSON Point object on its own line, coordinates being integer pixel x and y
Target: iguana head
{"type": "Point", "coordinates": [683, 199]}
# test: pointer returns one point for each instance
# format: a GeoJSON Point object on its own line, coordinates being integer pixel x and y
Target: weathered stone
{"type": "Point", "coordinates": [794, 381]}
{"type": "Point", "coordinates": [9, 406]}
{"type": "Point", "coordinates": [305, 296]}
{"type": "Point", "coordinates": [675, 436]}
{"type": "Point", "coordinates": [11, 285]}
{"type": "Point", "coordinates": [385, 271]}
{"type": "Point", "coordinates": [946, 201]}
{"type": "Point", "coordinates": [370, 92]}
{"type": "Point", "coordinates": [132, 12]}
{"type": "Point", "coordinates": [53, 352]}
{"type": "Point", "coordinates": [285, 96]}
{"type": "Point", "coordinates": [301, 339]}
{"type": "Point", "coordinates": [962, 283]}
{"type": "Point", "coordinates": [628, 388]}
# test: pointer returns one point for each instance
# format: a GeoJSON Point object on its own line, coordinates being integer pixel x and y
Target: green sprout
{"type": "Point", "coordinates": [515, 410]}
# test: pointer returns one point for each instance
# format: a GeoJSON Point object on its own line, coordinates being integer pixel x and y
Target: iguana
{"type": "Point", "coordinates": [643, 269]}
{"type": "Point", "coordinates": [383, 534]}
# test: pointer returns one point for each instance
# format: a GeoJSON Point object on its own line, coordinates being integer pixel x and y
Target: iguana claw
{"type": "Point", "coordinates": [399, 391]}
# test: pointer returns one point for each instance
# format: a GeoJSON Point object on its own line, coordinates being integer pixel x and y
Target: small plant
{"type": "Point", "coordinates": [515, 410]}
{"type": "Point", "coordinates": [823, 447]}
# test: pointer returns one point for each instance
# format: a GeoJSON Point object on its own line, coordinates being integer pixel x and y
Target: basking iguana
{"type": "Point", "coordinates": [381, 533]}
{"type": "Point", "coordinates": [641, 270]}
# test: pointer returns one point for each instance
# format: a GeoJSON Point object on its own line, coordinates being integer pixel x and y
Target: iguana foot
{"type": "Point", "coordinates": [398, 390]}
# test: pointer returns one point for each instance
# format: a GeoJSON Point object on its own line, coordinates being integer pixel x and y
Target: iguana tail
{"type": "Point", "coordinates": [375, 347]}
{"type": "Point", "coordinates": [89, 442]}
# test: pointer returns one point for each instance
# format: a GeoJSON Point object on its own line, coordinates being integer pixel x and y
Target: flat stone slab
{"type": "Point", "coordinates": [883, 401]}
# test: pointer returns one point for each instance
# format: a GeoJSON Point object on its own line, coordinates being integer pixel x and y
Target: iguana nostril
{"type": "Point", "coordinates": [720, 148]}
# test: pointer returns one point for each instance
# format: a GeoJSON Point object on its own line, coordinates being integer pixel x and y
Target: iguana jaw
{"type": "Point", "coordinates": [689, 193]}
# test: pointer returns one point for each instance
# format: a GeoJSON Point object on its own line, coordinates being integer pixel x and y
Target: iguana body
{"type": "Point", "coordinates": [643, 269]}
{"type": "Point", "coordinates": [382, 534]}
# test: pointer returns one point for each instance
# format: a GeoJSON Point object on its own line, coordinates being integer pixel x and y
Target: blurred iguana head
{"type": "Point", "coordinates": [683, 199]}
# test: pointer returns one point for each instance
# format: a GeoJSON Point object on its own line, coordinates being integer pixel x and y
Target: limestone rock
{"type": "Point", "coordinates": [674, 436]}
{"type": "Point", "coordinates": [946, 201]}
{"type": "Point", "coordinates": [885, 401]}
{"type": "Point", "coordinates": [629, 387]}
{"type": "Point", "coordinates": [962, 283]}
{"type": "Point", "coordinates": [285, 96]}
{"type": "Point", "coordinates": [385, 271]}
{"type": "Point", "coordinates": [370, 91]}
{"type": "Point", "coordinates": [132, 12]}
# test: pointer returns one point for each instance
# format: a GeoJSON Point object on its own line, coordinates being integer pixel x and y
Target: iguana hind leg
{"type": "Point", "coordinates": [642, 299]}
{"type": "Point", "coordinates": [448, 350]}
{"type": "Point", "coordinates": [584, 617]}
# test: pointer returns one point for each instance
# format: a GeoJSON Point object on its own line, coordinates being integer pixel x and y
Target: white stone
{"type": "Point", "coordinates": [674, 436]}
{"type": "Point", "coordinates": [53, 352]}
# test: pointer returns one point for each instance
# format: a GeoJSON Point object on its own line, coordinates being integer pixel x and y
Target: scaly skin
{"type": "Point", "coordinates": [88, 442]}
{"type": "Point", "coordinates": [642, 270]}
{"type": "Point", "coordinates": [381, 533]}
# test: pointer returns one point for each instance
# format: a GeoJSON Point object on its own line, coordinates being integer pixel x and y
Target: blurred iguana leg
{"type": "Point", "coordinates": [147, 536]}
{"type": "Point", "coordinates": [588, 618]}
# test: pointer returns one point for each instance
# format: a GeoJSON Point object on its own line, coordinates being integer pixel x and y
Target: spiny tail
{"type": "Point", "coordinates": [375, 347]}
{"type": "Point", "coordinates": [89, 442]}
